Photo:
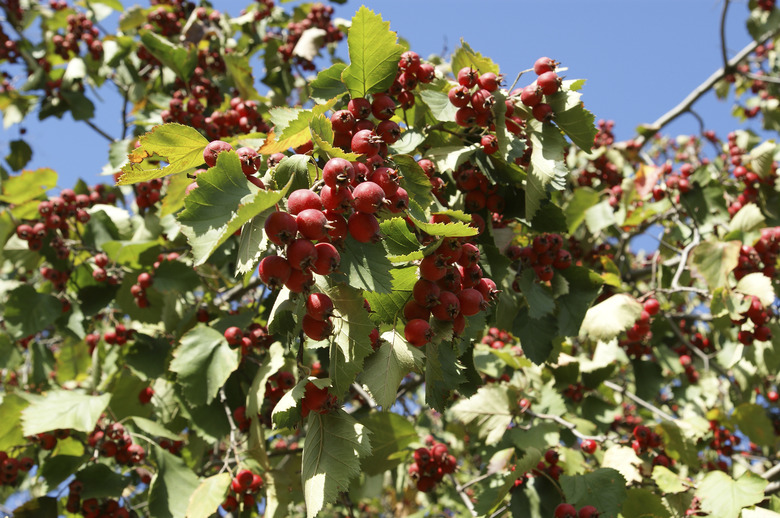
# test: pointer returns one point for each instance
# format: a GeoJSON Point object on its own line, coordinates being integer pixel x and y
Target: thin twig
{"type": "Point", "coordinates": [771, 472]}
{"type": "Point", "coordinates": [699, 91]}
{"type": "Point", "coordinates": [723, 52]}
{"type": "Point", "coordinates": [233, 427]}
{"type": "Point", "coordinates": [365, 395]}
{"type": "Point", "coordinates": [566, 424]}
{"type": "Point", "coordinates": [684, 259]}
{"type": "Point", "coordinates": [99, 131]}
{"type": "Point", "coordinates": [463, 496]}
{"type": "Point", "coordinates": [636, 399]}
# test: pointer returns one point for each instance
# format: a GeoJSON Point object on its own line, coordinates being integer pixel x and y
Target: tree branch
{"type": "Point", "coordinates": [566, 424]}
{"type": "Point", "coordinates": [699, 91]}
{"type": "Point", "coordinates": [723, 52]}
{"type": "Point", "coordinates": [463, 496]}
{"type": "Point", "coordinates": [639, 401]}
{"type": "Point", "coordinates": [99, 131]}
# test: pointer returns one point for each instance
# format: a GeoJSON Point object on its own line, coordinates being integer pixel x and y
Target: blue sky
{"type": "Point", "coordinates": [640, 58]}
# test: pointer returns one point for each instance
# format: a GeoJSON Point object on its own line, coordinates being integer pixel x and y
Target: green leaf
{"type": "Point", "coordinates": [373, 54]}
{"type": "Point", "coordinates": [327, 84]}
{"type": "Point", "coordinates": [175, 276]}
{"type": "Point", "coordinates": [238, 69]}
{"type": "Point", "coordinates": [366, 266]}
{"type": "Point", "coordinates": [677, 446]}
{"type": "Point", "coordinates": [252, 242]}
{"type": "Point", "coordinates": [335, 443]}
{"type": "Point", "coordinates": [443, 374]}
{"type": "Point", "coordinates": [536, 336]}
{"type": "Point", "coordinates": [761, 158]}
{"type": "Point", "coordinates": [171, 487]}
{"type": "Point", "coordinates": [20, 154]}
{"type": "Point", "coordinates": [27, 186]}
{"type": "Point", "coordinates": [572, 117]}
{"type": "Point", "coordinates": [465, 56]}
{"type": "Point", "coordinates": [583, 199]}
{"type": "Point", "coordinates": [540, 299]}
{"type": "Point", "coordinates": [27, 312]}
{"type": "Point", "coordinates": [154, 428]}
{"type": "Point", "coordinates": [725, 497]}
{"type": "Point", "coordinates": [714, 260]}
{"type": "Point", "coordinates": [643, 503]}
{"type": "Point", "coordinates": [454, 229]}
{"type": "Point", "coordinates": [609, 318]}
{"type": "Point", "coordinates": [287, 412]}
{"type": "Point", "coordinates": [668, 481]}
{"type": "Point", "coordinates": [385, 369]}
{"type": "Point", "coordinates": [599, 216]}
{"type": "Point", "coordinates": [490, 409]}
{"type": "Point", "coordinates": [179, 59]}
{"type": "Point", "coordinates": [391, 434]}
{"type": "Point", "coordinates": [604, 489]}
{"type": "Point", "coordinates": [203, 362]}
{"type": "Point", "coordinates": [222, 203]}
{"type": "Point", "coordinates": [447, 158]}
{"type": "Point", "coordinates": [747, 219]}
{"type": "Point", "coordinates": [398, 240]}
{"type": "Point", "coordinates": [625, 460]}
{"type": "Point", "coordinates": [293, 170]}
{"type": "Point", "coordinates": [181, 146]}
{"type": "Point", "coordinates": [41, 507]}
{"type": "Point", "coordinates": [10, 430]}
{"type": "Point", "coordinates": [63, 409]}
{"type": "Point", "coordinates": [439, 103]}
{"type": "Point", "coordinates": [547, 166]}
{"type": "Point", "coordinates": [753, 422]}
{"type": "Point", "coordinates": [414, 180]}
{"type": "Point", "coordinates": [100, 481]}
{"type": "Point", "coordinates": [759, 285]}
{"type": "Point", "coordinates": [322, 135]}
{"type": "Point", "coordinates": [351, 342]}
{"type": "Point", "coordinates": [208, 496]}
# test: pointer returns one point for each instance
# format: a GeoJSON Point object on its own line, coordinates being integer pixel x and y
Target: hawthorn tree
{"type": "Point", "coordinates": [393, 286]}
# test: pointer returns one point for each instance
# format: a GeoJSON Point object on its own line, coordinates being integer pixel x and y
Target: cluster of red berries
{"type": "Point", "coordinates": [544, 255]}
{"type": "Point", "coordinates": [411, 72]}
{"type": "Point", "coordinates": [11, 466]}
{"type": "Point", "coordinates": [244, 486]}
{"type": "Point", "coordinates": [575, 391]}
{"type": "Point", "coordinates": [249, 158]}
{"type": "Point", "coordinates": [92, 507]}
{"type": "Point", "coordinates": [48, 440]}
{"type": "Point", "coordinates": [58, 278]}
{"type": "Point", "coordinates": [100, 274]}
{"type": "Point", "coordinates": [480, 193]}
{"type": "Point", "coordinates": [451, 287]}
{"type": "Point", "coordinates": [8, 49]}
{"type": "Point", "coordinates": [759, 317]}
{"type": "Point", "coordinates": [766, 5]}
{"type": "Point", "coordinates": [601, 169]}
{"type": "Point", "coordinates": [277, 385]}
{"type": "Point", "coordinates": [430, 465]}
{"type": "Point", "coordinates": [673, 181]}
{"type": "Point", "coordinates": [173, 447]}
{"type": "Point", "coordinates": [54, 214]}
{"type": "Point", "coordinates": [723, 441]}
{"type": "Point", "coordinates": [113, 441]}
{"type": "Point", "coordinates": [474, 99]}
{"type": "Point", "coordinates": [241, 117]}
{"type": "Point", "coordinates": [147, 193]}
{"type": "Point", "coordinates": [547, 83]}
{"type": "Point", "coordinates": [119, 335]}
{"type": "Point", "coordinates": [318, 17]}
{"type": "Point", "coordinates": [353, 130]}
{"type": "Point", "coordinates": [168, 19]}
{"type": "Point", "coordinates": [604, 136]}
{"type": "Point", "coordinates": [80, 28]}
{"type": "Point", "coordinates": [689, 368]}
{"type": "Point", "coordinates": [318, 400]}
{"type": "Point", "coordinates": [146, 279]}
{"type": "Point", "coordinates": [569, 511]}
{"type": "Point", "coordinates": [762, 256]}
{"type": "Point", "coordinates": [256, 336]}
{"type": "Point", "coordinates": [644, 438]}
{"type": "Point", "coordinates": [637, 335]}
{"type": "Point", "coordinates": [549, 465]}
{"type": "Point", "coordinates": [317, 324]}
{"type": "Point", "coordinates": [751, 181]}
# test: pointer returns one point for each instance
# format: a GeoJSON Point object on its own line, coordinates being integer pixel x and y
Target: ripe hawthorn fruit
{"type": "Point", "coordinates": [418, 332]}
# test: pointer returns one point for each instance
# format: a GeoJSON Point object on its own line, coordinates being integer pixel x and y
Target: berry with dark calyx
{"type": "Point", "coordinates": [301, 254]}
{"type": "Point", "coordinates": [250, 160]}
{"type": "Point", "coordinates": [399, 201]}
{"type": "Point", "coordinates": [366, 142]}
{"type": "Point", "coordinates": [414, 310]}
{"type": "Point", "coordinates": [471, 302]}
{"type": "Point", "coordinates": [337, 199]}
{"type": "Point", "coordinates": [233, 335]}
{"type": "Point", "coordinates": [459, 96]}
{"type": "Point", "coordinates": [588, 512]}
{"type": "Point", "coordinates": [363, 227]}
{"type": "Point", "coordinates": [342, 121]}
{"type": "Point", "coordinates": [328, 259]}
{"type": "Point", "coordinates": [433, 267]}
{"type": "Point", "coordinates": [542, 112]}
{"type": "Point", "coordinates": [544, 64]}
{"type": "Point", "coordinates": [338, 172]}
{"type": "Point", "coordinates": [388, 131]}
{"type": "Point", "coordinates": [418, 332]}
{"type": "Point", "coordinates": [281, 228]}
{"type": "Point", "coordinates": [487, 288]}
{"type": "Point", "coordinates": [589, 446]}
{"type": "Point", "coordinates": [368, 197]}
{"type": "Point", "coordinates": [466, 116]}
{"type": "Point", "coordinates": [426, 73]}
{"type": "Point", "coordinates": [303, 199]}
{"type": "Point", "coordinates": [565, 511]}
{"type": "Point", "coordinates": [387, 178]}
{"type": "Point", "coordinates": [274, 271]}
{"type": "Point", "coordinates": [319, 306]}
{"type": "Point", "coordinates": [312, 224]}
{"type": "Point", "coordinates": [359, 107]}
{"type": "Point", "coordinates": [317, 329]}
{"type": "Point", "coordinates": [144, 280]}
{"type": "Point", "coordinates": [214, 148]}
{"type": "Point", "coordinates": [468, 77]}
{"type": "Point", "coordinates": [383, 106]}
{"type": "Point", "coordinates": [447, 308]}
{"type": "Point", "coordinates": [489, 81]}
{"type": "Point", "coordinates": [551, 457]}
{"type": "Point", "coordinates": [410, 61]}
{"type": "Point", "coordinates": [563, 260]}
{"type": "Point", "coordinates": [549, 82]}
{"type": "Point", "coordinates": [489, 144]}
{"type": "Point", "coordinates": [426, 293]}
{"type": "Point", "coordinates": [482, 101]}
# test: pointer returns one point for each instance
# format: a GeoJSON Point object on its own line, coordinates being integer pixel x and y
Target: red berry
{"type": "Point", "coordinates": [360, 108]}
{"type": "Point", "coordinates": [588, 512]}
{"type": "Point", "coordinates": [366, 142]}
{"type": "Point", "coordinates": [383, 106]}
{"type": "Point", "coordinates": [342, 121]}
{"type": "Point", "coordinates": [213, 149]}
{"type": "Point", "coordinates": [319, 306]}
{"type": "Point", "coordinates": [303, 199]}
{"type": "Point", "coordinates": [489, 81]}
{"type": "Point", "coordinates": [338, 172]}
{"type": "Point", "coordinates": [418, 332]}
{"type": "Point", "coordinates": [467, 77]}
{"type": "Point", "coordinates": [312, 224]}
{"type": "Point", "coordinates": [274, 271]}
{"type": "Point", "coordinates": [459, 96]}
{"type": "Point", "coordinates": [549, 82]}
{"type": "Point", "coordinates": [281, 228]}
{"type": "Point", "coordinates": [589, 446]}
{"type": "Point", "coordinates": [368, 197]}
{"type": "Point", "coordinates": [144, 280]}
{"type": "Point", "coordinates": [543, 65]}
{"type": "Point", "coordinates": [317, 329]}
{"type": "Point", "coordinates": [145, 395]}
{"type": "Point", "coordinates": [652, 306]}
{"type": "Point", "coordinates": [542, 112]}
{"type": "Point", "coordinates": [301, 254]}
{"type": "Point", "coordinates": [489, 144]}
{"type": "Point", "coordinates": [426, 293]}
{"type": "Point", "coordinates": [233, 335]}
{"type": "Point", "coordinates": [328, 259]}
{"type": "Point", "coordinates": [565, 511]}
{"type": "Point", "coordinates": [471, 302]}
{"type": "Point", "coordinates": [447, 308]}
{"type": "Point", "coordinates": [363, 227]}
